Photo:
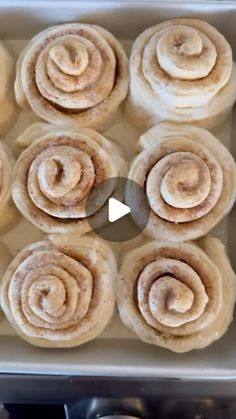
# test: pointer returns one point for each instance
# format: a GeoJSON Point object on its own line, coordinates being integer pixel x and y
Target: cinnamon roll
{"type": "Point", "coordinates": [56, 174]}
{"type": "Point", "coordinates": [7, 101]}
{"type": "Point", "coordinates": [178, 296]}
{"type": "Point", "coordinates": [59, 293]}
{"type": "Point", "coordinates": [73, 73]}
{"type": "Point", "coordinates": [182, 71]}
{"type": "Point", "coordinates": [8, 211]}
{"type": "Point", "coordinates": [189, 178]}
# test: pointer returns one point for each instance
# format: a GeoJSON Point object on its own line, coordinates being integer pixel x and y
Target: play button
{"type": "Point", "coordinates": [112, 207]}
{"type": "Point", "coordinates": [116, 210]}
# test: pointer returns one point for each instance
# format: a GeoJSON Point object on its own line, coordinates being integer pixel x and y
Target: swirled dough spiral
{"type": "Point", "coordinates": [59, 293]}
{"type": "Point", "coordinates": [7, 101]}
{"type": "Point", "coordinates": [178, 296]}
{"type": "Point", "coordinates": [8, 211]}
{"type": "Point", "coordinates": [182, 71]}
{"type": "Point", "coordinates": [189, 178]}
{"type": "Point", "coordinates": [73, 73]}
{"type": "Point", "coordinates": [54, 176]}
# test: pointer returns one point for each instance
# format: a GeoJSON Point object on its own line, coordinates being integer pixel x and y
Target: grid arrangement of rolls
{"type": "Point", "coordinates": [175, 289]}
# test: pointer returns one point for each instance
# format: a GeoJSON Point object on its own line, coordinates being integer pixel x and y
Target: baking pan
{"type": "Point", "coordinates": [117, 352]}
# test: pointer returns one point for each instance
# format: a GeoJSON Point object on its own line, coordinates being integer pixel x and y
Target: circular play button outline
{"type": "Point", "coordinates": [121, 207]}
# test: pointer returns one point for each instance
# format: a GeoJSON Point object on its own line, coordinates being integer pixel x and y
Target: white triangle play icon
{"type": "Point", "coordinates": [116, 210]}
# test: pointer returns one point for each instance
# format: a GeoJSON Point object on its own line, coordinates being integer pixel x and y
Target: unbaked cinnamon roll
{"type": "Point", "coordinates": [73, 73]}
{"type": "Point", "coordinates": [8, 211]}
{"type": "Point", "coordinates": [182, 71]}
{"type": "Point", "coordinates": [7, 101]}
{"type": "Point", "coordinates": [56, 174]}
{"type": "Point", "coordinates": [59, 293]}
{"type": "Point", "coordinates": [178, 296]}
{"type": "Point", "coordinates": [189, 178]}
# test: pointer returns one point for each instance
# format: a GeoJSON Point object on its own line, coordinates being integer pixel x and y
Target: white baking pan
{"type": "Point", "coordinates": [117, 352]}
